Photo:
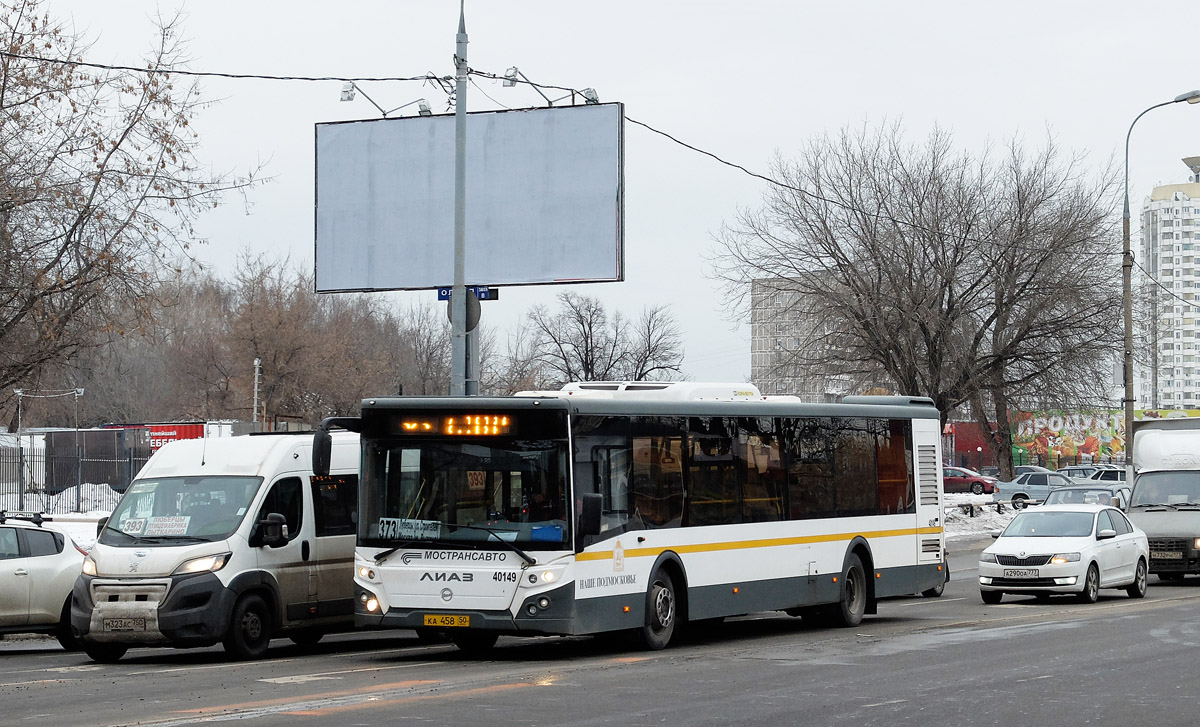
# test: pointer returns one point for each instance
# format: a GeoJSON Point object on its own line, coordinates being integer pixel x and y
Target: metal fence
{"type": "Point", "coordinates": [32, 480]}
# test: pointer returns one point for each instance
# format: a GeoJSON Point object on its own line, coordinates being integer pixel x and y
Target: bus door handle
{"type": "Point", "coordinates": [304, 550]}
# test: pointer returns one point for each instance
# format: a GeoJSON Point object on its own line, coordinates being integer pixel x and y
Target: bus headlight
{"type": "Point", "coordinates": [369, 602]}
{"type": "Point", "coordinates": [366, 572]}
{"type": "Point", "coordinates": [89, 566]}
{"type": "Point", "coordinates": [205, 564]}
{"type": "Point", "coordinates": [549, 576]}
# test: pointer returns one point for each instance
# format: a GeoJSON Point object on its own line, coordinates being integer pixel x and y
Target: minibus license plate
{"type": "Point", "coordinates": [1020, 573]}
{"type": "Point", "coordinates": [446, 620]}
{"type": "Point", "coordinates": [124, 624]}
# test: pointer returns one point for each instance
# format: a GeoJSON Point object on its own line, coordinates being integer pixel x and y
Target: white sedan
{"type": "Point", "coordinates": [1074, 548]}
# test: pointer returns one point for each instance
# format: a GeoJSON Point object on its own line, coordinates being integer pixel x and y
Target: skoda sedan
{"type": "Point", "coordinates": [1075, 548]}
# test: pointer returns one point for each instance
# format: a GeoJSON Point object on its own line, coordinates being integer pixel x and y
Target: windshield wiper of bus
{"type": "Point", "coordinates": [385, 554]}
{"type": "Point", "coordinates": [529, 559]}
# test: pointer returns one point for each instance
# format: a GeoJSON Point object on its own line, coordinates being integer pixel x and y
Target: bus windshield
{"type": "Point", "coordinates": [180, 510]}
{"type": "Point", "coordinates": [467, 492]}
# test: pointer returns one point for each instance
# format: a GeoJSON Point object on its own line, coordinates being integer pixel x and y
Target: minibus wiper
{"type": "Point", "coordinates": [525, 556]}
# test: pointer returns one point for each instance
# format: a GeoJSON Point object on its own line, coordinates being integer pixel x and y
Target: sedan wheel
{"type": "Point", "coordinates": [1018, 502]}
{"type": "Point", "coordinates": [977, 488]}
{"type": "Point", "coordinates": [1091, 585]}
{"type": "Point", "coordinates": [1137, 589]}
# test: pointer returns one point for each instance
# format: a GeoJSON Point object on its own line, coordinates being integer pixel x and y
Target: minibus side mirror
{"type": "Point", "coordinates": [591, 507]}
{"type": "Point", "coordinates": [100, 525]}
{"type": "Point", "coordinates": [272, 531]}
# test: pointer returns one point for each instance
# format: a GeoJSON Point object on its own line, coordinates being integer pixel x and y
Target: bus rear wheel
{"type": "Point", "coordinates": [661, 611]}
{"type": "Point", "coordinates": [849, 609]}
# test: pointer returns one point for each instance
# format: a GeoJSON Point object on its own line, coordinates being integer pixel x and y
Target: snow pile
{"type": "Point", "coordinates": [87, 498]}
{"type": "Point", "coordinates": [959, 523]}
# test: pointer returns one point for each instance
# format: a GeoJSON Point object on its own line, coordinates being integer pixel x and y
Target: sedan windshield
{"type": "Point", "coordinates": [1050, 525]}
{"type": "Point", "coordinates": [1090, 495]}
{"type": "Point", "coordinates": [180, 510]}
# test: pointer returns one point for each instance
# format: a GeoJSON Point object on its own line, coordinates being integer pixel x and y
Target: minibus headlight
{"type": "Point", "coordinates": [205, 564]}
{"type": "Point", "coordinates": [89, 566]}
{"type": "Point", "coordinates": [1196, 544]}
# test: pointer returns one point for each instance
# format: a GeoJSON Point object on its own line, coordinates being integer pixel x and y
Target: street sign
{"type": "Point", "coordinates": [482, 292]}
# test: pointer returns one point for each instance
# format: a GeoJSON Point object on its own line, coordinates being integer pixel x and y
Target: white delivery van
{"type": "Point", "coordinates": [1165, 501]}
{"type": "Point", "coordinates": [229, 540]}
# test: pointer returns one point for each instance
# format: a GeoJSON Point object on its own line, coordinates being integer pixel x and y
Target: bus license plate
{"type": "Point", "coordinates": [1166, 555]}
{"type": "Point", "coordinates": [124, 624]}
{"type": "Point", "coordinates": [1020, 573]}
{"type": "Point", "coordinates": [446, 620]}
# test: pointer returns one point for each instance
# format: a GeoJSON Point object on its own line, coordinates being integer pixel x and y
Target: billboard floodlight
{"type": "Point", "coordinates": [348, 92]}
{"type": "Point", "coordinates": [589, 96]}
{"type": "Point", "coordinates": [423, 107]}
{"type": "Point", "coordinates": [510, 77]}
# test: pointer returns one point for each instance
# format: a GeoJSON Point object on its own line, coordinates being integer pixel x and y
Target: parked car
{"type": "Point", "coordinates": [961, 479]}
{"type": "Point", "coordinates": [1077, 472]}
{"type": "Point", "coordinates": [1107, 474]}
{"type": "Point", "coordinates": [38, 568]}
{"type": "Point", "coordinates": [1024, 469]}
{"type": "Point", "coordinates": [1031, 486]}
{"type": "Point", "coordinates": [1101, 493]}
{"type": "Point", "coordinates": [1075, 549]}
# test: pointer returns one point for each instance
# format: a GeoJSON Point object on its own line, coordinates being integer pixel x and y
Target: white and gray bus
{"type": "Point", "coordinates": [641, 507]}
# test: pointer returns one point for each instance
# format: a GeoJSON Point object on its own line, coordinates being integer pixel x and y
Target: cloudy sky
{"type": "Point", "coordinates": [742, 80]}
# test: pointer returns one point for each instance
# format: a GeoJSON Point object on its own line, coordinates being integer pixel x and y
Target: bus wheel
{"type": "Point", "coordinates": [249, 629]}
{"type": "Point", "coordinates": [661, 611]}
{"type": "Point", "coordinates": [474, 642]}
{"type": "Point", "coordinates": [853, 604]}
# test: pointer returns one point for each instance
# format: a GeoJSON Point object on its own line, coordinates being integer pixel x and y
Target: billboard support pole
{"type": "Point", "coordinates": [458, 298]}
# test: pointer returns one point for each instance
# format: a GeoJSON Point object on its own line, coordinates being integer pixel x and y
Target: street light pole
{"type": "Point", "coordinates": [1127, 272]}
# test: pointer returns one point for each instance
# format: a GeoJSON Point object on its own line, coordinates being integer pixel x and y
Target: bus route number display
{"type": "Point", "coordinates": [467, 425]}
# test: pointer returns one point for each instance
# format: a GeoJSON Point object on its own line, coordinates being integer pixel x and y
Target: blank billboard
{"type": "Point", "coordinates": [543, 199]}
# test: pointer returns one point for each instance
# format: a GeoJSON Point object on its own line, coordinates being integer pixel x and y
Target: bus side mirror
{"type": "Point", "coordinates": [272, 531]}
{"type": "Point", "coordinates": [591, 507]}
{"type": "Point", "coordinates": [322, 452]}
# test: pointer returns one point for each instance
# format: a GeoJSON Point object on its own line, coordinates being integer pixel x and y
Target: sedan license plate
{"type": "Point", "coordinates": [446, 620]}
{"type": "Point", "coordinates": [124, 624]}
{"type": "Point", "coordinates": [1166, 555]}
{"type": "Point", "coordinates": [1020, 573]}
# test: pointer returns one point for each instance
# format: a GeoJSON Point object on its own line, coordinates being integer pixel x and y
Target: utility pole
{"type": "Point", "coordinates": [458, 297]}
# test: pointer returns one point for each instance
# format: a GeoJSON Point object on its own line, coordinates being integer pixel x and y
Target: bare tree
{"type": "Point", "coordinates": [98, 185]}
{"type": "Point", "coordinates": [954, 277]}
{"type": "Point", "coordinates": [581, 341]}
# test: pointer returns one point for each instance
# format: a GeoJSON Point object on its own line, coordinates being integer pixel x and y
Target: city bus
{"type": "Point", "coordinates": [639, 507]}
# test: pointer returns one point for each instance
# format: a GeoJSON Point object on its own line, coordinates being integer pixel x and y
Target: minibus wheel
{"type": "Point", "coordinates": [249, 628]}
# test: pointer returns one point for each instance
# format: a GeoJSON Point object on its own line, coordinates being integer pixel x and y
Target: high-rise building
{"type": "Point", "coordinates": [1170, 234]}
{"type": "Point", "coordinates": [781, 337]}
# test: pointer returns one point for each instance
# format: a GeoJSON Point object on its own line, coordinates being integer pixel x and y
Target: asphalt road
{"type": "Point", "coordinates": [946, 661]}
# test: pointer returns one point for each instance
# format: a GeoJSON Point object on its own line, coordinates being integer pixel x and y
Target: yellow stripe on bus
{"type": "Point", "coordinates": [764, 543]}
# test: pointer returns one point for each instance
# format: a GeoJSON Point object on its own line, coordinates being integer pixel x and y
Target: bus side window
{"type": "Point", "coordinates": [658, 470]}
{"type": "Point", "coordinates": [603, 465]}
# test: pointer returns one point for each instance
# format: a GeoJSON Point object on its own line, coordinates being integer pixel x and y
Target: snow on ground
{"type": "Point", "coordinates": [959, 523]}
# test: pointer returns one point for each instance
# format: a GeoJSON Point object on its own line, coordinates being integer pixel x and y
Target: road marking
{"type": "Point", "coordinates": [302, 678]}
{"type": "Point", "coordinates": [885, 704]}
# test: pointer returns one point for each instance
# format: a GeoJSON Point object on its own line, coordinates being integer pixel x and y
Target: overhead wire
{"type": "Point", "coordinates": [442, 82]}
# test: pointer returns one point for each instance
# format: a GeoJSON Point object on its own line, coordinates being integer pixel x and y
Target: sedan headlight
{"type": "Point", "coordinates": [1060, 558]}
{"type": "Point", "coordinates": [987, 557]}
{"type": "Point", "coordinates": [89, 566]}
{"type": "Point", "coordinates": [205, 564]}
